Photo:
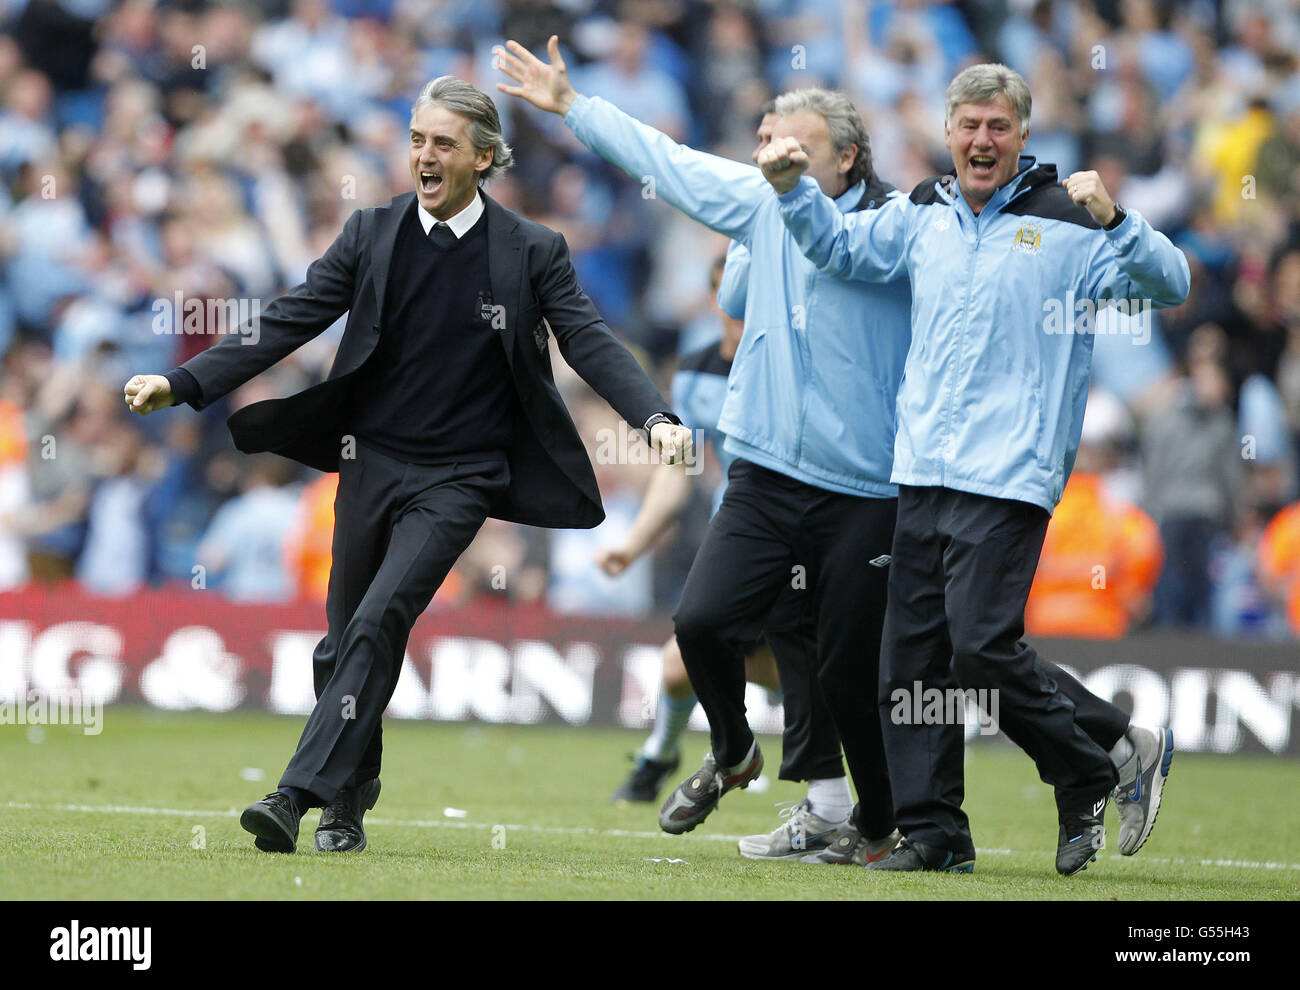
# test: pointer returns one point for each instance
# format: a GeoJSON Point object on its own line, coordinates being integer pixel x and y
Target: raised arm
{"type": "Point", "coordinates": [867, 245]}
{"type": "Point", "coordinates": [720, 193]}
{"type": "Point", "coordinates": [1133, 260]}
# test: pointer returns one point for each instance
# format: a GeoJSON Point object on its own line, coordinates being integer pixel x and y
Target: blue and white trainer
{"type": "Point", "coordinates": [802, 833]}
{"type": "Point", "coordinates": [1137, 798]}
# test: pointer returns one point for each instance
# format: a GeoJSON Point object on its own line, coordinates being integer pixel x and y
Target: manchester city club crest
{"type": "Point", "coordinates": [1028, 238]}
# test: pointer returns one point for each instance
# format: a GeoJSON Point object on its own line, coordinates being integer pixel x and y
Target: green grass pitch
{"type": "Point", "coordinates": [149, 810]}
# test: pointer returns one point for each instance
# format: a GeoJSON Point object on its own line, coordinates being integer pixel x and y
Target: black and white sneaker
{"type": "Point", "coordinates": [696, 797]}
{"type": "Point", "coordinates": [643, 783]}
{"type": "Point", "coordinates": [915, 857]}
{"type": "Point", "coordinates": [1082, 835]}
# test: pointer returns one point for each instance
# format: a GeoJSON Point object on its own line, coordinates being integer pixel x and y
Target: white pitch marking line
{"type": "Point", "coordinates": [621, 833]}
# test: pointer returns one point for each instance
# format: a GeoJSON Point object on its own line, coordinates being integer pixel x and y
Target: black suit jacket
{"type": "Point", "coordinates": [531, 276]}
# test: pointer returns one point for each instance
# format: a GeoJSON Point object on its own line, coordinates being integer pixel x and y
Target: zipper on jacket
{"type": "Point", "coordinates": [948, 431]}
{"type": "Point", "coordinates": [801, 339]}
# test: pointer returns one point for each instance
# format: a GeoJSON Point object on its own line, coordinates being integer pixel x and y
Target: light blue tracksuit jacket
{"type": "Point", "coordinates": [813, 385]}
{"type": "Point", "coordinates": [997, 375]}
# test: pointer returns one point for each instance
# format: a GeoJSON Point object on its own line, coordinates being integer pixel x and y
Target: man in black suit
{"type": "Point", "coordinates": [439, 411]}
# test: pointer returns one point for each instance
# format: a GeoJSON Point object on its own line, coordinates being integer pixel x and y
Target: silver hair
{"type": "Point", "coordinates": [842, 119]}
{"type": "Point", "coordinates": [984, 83]}
{"type": "Point", "coordinates": [477, 107]}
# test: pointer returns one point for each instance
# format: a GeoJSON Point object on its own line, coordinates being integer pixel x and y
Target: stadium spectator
{"type": "Point", "coordinates": [308, 545]}
{"type": "Point", "coordinates": [116, 555]}
{"type": "Point", "coordinates": [244, 547]}
{"type": "Point", "coordinates": [1279, 562]}
{"type": "Point", "coordinates": [13, 485]}
{"type": "Point", "coordinates": [1194, 479]}
{"type": "Point", "coordinates": [1101, 555]}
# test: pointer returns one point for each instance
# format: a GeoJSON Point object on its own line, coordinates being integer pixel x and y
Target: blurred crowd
{"type": "Point", "coordinates": [153, 152]}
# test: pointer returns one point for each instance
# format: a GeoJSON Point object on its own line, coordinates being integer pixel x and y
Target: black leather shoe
{"type": "Point", "coordinates": [340, 822]}
{"type": "Point", "coordinates": [274, 820]}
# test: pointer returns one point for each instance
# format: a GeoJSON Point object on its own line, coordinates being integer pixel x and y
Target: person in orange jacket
{"type": "Point", "coordinates": [1279, 561]}
{"type": "Point", "coordinates": [1102, 555]}
{"type": "Point", "coordinates": [309, 544]}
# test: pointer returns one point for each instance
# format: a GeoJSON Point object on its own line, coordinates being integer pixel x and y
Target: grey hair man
{"type": "Point", "coordinates": [440, 411]}
{"type": "Point", "coordinates": [989, 418]}
{"type": "Point", "coordinates": [456, 143]}
{"type": "Point", "coordinates": [808, 416]}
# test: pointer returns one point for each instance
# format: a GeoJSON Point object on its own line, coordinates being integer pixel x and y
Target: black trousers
{"type": "Point", "coordinates": [960, 576]}
{"type": "Point", "coordinates": [771, 533]}
{"type": "Point", "coordinates": [810, 746]}
{"type": "Point", "coordinates": [398, 529]}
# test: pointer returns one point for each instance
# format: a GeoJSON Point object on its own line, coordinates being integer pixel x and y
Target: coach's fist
{"type": "Point", "coordinates": [145, 393]}
{"type": "Point", "coordinates": [782, 162]}
{"type": "Point", "coordinates": [672, 443]}
{"type": "Point", "coordinates": [1085, 188]}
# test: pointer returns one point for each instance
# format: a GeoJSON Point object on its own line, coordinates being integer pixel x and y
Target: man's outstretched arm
{"type": "Point", "coordinates": [717, 192]}
{"type": "Point", "coordinates": [288, 322]}
{"type": "Point", "coordinates": [867, 245]}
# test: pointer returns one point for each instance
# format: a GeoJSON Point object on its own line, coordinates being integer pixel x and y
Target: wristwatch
{"type": "Point", "coordinates": [656, 419]}
{"type": "Point", "coordinates": [1117, 219]}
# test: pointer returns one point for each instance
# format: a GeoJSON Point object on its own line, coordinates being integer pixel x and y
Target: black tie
{"type": "Point", "coordinates": [441, 235]}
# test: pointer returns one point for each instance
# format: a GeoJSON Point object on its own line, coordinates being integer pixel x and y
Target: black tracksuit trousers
{"type": "Point", "coordinates": [773, 532]}
{"type": "Point", "coordinates": [960, 576]}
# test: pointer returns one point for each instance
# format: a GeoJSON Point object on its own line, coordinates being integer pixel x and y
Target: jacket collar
{"type": "Point", "coordinates": [505, 246]}
{"type": "Point", "coordinates": [1030, 176]}
{"type": "Point", "coordinates": [875, 191]}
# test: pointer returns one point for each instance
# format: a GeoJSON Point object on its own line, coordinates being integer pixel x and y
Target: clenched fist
{"type": "Point", "coordinates": [672, 443]}
{"type": "Point", "coordinates": [146, 393]}
{"type": "Point", "coordinates": [614, 561]}
{"type": "Point", "coordinates": [782, 162]}
{"type": "Point", "coordinates": [1085, 188]}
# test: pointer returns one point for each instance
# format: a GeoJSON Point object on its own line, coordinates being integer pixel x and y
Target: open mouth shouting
{"type": "Point", "coordinates": [981, 166]}
{"type": "Point", "coordinates": [430, 181]}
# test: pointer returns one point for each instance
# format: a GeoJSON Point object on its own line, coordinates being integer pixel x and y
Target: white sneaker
{"type": "Point", "coordinates": [803, 832]}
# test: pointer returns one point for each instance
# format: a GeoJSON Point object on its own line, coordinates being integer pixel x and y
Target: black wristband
{"type": "Point", "coordinates": [656, 419]}
{"type": "Point", "coordinates": [1117, 219]}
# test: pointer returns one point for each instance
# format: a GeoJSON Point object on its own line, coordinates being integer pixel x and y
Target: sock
{"type": "Point", "coordinates": [1124, 756]}
{"type": "Point", "coordinates": [830, 798]}
{"type": "Point", "coordinates": [302, 799]}
{"type": "Point", "coordinates": [671, 718]}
